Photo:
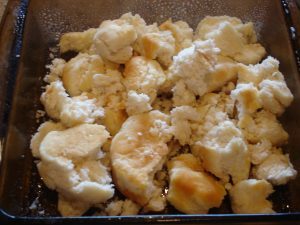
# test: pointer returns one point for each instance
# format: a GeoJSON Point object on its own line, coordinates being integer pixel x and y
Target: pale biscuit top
{"type": "Point", "coordinates": [70, 164]}
{"type": "Point", "coordinates": [113, 40]}
{"type": "Point", "coordinates": [224, 152]}
{"type": "Point", "coordinates": [235, 39]}
{"type": "Point", "coordinates": [143, 76]}
{"type": "Point", "coordinates": [276, 168]}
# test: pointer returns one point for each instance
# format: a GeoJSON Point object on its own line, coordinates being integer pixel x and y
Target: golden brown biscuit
{"type": "Point", "coordinates": [192, 190]}
{"type": "Point", "coordinates": [247, 98]}
{"type": "Point", "coordinates": [159, 45]}
{"type": "Point", "coordinates": [42, 131]}
{"type": "Point", "coordinates": [138, 151]}
{"type": "Point", "coordinates": [263, 125]}
{"type": "Point", "coordinates": [273, 92]}
{"type": "Point", "coordinates": [77, 41]}
{"type": "Point", "coordinates": [78, 73]}
{"type": "Point", "coordinates": [181, 31]}
{"type": "Point", "coordinates": [249, 196]}
{"type": "Point", "coordinates": [143, 76]}
{"type": "Point", "coordinates": [113, 40]}
{"type": "Point", "coordinates": [235, 39]}
{"type": "Point", "coordinates": [113, 120]}
{"type": "Point", "coordinates": [70, 164]}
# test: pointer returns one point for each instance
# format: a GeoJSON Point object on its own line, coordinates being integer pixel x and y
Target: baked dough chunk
{"type": "Point", "coordinates": [137, 152]}
{"type": "Point", "coordinates": [70, 208]}
{"type": "Point", "coordinates": [42, 131]}
{"type": "Point", "coordinates": [235, 39]}
{"type": "Point", "coordinates": [183, 118]}
{"type": "Point", "coordinates": [158, 45]}
{"type": "Point", "coordinates": [273, 93]}
{"type": "Point", "coordinates": [109, 90]}
{"type": "Point", "coordinates": [113, 119]}
{"type": "Point", "coordinates": [224, 152]}
{"type": "Point", "coordinates": [77, 41]}
{"type": "Point", "coordinates": [122, 208]}
{"type": "Point", "coordinates": [260, 151]}
{"type": "Point", "coordinates": [276, 168]}
{"type": "Point", "coordinates": [182, 95]}
{"type": "Point", "coordinates": [70, 111]}
{"type": "Point", "coordinates": [78, 73]}
{"type": "Point", "coordinates": [137, 103]}
{"type": "Point", "coordinates": [143, 76]}
{"type": "Point", "coordinates": [56, 69]}
{"type": "Point", "coordinates": [263, 125]}
{"type": "Point", "coordinates": [113, 40]}
{"type": "Point", "coordinates": [257, 73]}
{"type": "Point", "coordinates": [151, 42]}
{"type": "Point", "coordinates": [191, 190]}
{"type": "Point", "coordinates": [140, 27]}
{"type": "Point", "coordinates": [247, 98]}
{"type": "Point", "coordinates": [138, 23]}
{"type": "Point", "coordinates": [70, 163]}
{"type": "Point", "coordinates": [54, 98]}
{"type": "Point", "coordinates": [79, 110]}
{"type": "Point", "coordinates": [210, 23]}
{"type": "Point", "coordinates": [215, 108]}
{"type": "Point", "coordinates": [181, 31]}
{"type": "Point", "coordinates": [249, 196]}
{"type": "Point", "coordinates": [198, 67]}
{"type": "Point", "coordinates": [191, 123]}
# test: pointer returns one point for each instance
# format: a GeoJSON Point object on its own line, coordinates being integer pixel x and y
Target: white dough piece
{"type": "Point", "coordinates": [143, 76]}
{"type": "Point", "coordinates": [249, 196]}
{"type": "Point", "coordinates": [137, 103]}
{"type": "Point", "coordinates": [78, 73]}
{"type": "Point", "coordinates": [235, 39]}
{"type": "Point", "coordinates": [70, 111]}
{"type": "Point", "coordinates": [247, 98]}
{"type": "Point", "coordinates": [70, 164]}
{"type": "Point", "coordinates": [42, 131]}
{"type": "Point", "coordinates": [260, 151]}
{"type": "Point", "coordinates": [224, 152]}
{"type": "Point", "coordinates": [181, 31]}
{"type": "Point", "coordinates": [114, 39]}
{"type": "Point", "coordinates": [201, 68]}
{"type": "Point", "coordinates": [276, 168]}
{"type": "Point", "coordinates": [122, 208]}
{"type": "Point", "coordinates": [158, 45]}
{"type": "Point", "coordinates": [263, 125]}
{"type": "Point", "coordinates": [56, 70]}
{"type": "Point", "coordinates": [273, 94]}
{"type": "Point", "coordinates": [70, 208]}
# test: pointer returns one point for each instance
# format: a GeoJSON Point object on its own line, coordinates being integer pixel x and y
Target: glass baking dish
{"type": "Point", "coordinates": [30, 30]}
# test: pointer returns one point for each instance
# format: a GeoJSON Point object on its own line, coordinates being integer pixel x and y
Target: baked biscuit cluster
{"type": "Point", "coordinates": [163, 113]}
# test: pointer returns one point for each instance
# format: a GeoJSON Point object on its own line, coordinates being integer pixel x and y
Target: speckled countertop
{"type": "Point", "coordinates": [2, 7]}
